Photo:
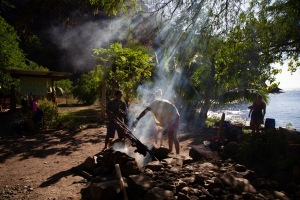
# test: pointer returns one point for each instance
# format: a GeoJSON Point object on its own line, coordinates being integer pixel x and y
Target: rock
{"type": "Point", "coordinates": [180, 184]}
{"type": "Point", "coordinates": [140, 184]}
{"type": "Point", "coordinates": [200, 179]}
{"type": "Point", "coordinates": [280, 195]}
{"type": "Point", "coordinates": [207, 166]}
{"type": "Point", "coordinates": [189, 179]}
{"type": "Point", "coordinates": [161, 152]}
{"type": "Point", "coordinates": [240, 168]}
{"type": "Point", "coordinates": [182, 196]}
{"type": "Point", "coordinates": [99, 171]}
{"type": "Point", "coordinates": [250, 175]}
{"type": "Point", "coordinates": [265, 183]}
{"type": "Point", "coordinates": [148, 172]}
{"type": "Point", "coordinates": [158, 193]}
{"type": "Point", "coordinates": [154, 166]}
{"type": "Point", "coordinates": [130, 168]}
{"type": "Point", "coordinates": [89, 164]}
{"type": "Point", "coordinates": [206, 177]}
{"type": "Point", "coordinates": [201, 153]}
{"type": "Point", "coordinates": [238, 184]}
{"type": "Point", "coordinates": [104, 191]}
{"type": "Point", "coordinates": [185, 190]}
{"type": "Point", "coordinates": [167, 186]}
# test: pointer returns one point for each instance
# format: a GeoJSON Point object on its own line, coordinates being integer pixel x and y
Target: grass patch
{"type": "Point", "coordinates": [81, 117]}
{"type": "Point", "coordinates": [211, 121]}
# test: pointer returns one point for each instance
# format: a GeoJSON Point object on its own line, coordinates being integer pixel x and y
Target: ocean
{"type": "Point", "coordinates": [283, 107]}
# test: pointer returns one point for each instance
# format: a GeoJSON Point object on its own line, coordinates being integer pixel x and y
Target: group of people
{"type": "Point", "coordinates": [166, 117]}
{"type": "Point", "coordinates": [164, 112]}
{"type": "Point", "coordinates": [33, 105]}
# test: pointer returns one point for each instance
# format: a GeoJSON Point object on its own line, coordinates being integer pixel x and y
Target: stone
{"type": "Point", "coordinates": [130, 168]}
{"type": "Point", "coordinates": [167, 161]}
{"type": "Point", "coordinates": [201, 153]}
{"type": "Point", "coordinates": [104, 191]}
{"type": "Point", "coordinates": [140, 184]}
{"type": "Point", "coordinates": [185, 190]}
{"type": "Point", "coordinates": [182, 196]}
{"type": "Point", "coordinates": [98, 171]}
{"type": "Point", "coordinates": [154, 166]}
{"type": "Point", "coordinates": [161, 153]}
{"type": "Point", "coordinates": [180, 184]}
{"type": "Point", "coordinates": [280, 195]}
{"type": "Point", "coordinates": [167, 186]}
{"type": "Point", "coordinates": [238, 184]}
{"type": "Point", "coordinates": [89, 164]}
{"type": "Point", "coordinates": [175, 169]}
{"type": "Point", "coordinates": [158, 193]}
{"type": "Point", "coordinates": [240, 168]}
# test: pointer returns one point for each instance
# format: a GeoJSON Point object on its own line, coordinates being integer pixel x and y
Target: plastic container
{"type": "Point", "coordinates": [269, 123]}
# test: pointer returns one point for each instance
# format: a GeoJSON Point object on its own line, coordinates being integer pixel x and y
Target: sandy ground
{"type": "Point", "coordinates": [38, 167]}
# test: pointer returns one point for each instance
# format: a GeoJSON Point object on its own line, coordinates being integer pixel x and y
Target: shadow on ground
{"type": "Point", "coordinates": [14, 140]}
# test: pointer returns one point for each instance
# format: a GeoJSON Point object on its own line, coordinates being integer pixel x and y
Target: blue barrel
{"type": "Point", "coordinates": [269, 123]}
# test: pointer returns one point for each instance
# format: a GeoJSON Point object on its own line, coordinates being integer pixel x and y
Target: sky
{"type": "Point", "coordinates": [288, 81]}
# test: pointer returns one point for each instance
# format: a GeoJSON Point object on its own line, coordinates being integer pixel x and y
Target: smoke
{"type": "Point", "coordinates": [140, 159]}
{"type": "Point", "coordinates": [77, 44]}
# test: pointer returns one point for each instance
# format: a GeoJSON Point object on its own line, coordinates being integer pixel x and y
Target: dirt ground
{"type": "Point", "coordinates": [39, 166]}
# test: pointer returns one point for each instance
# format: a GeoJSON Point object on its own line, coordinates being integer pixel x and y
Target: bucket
{"type": "Point", "coordinates": [269, 123]}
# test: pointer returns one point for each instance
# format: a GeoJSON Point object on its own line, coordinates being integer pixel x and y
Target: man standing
{"type": "Point", "coordinates": [115, 108]}
{"type": "Point", "coordinates": [167, 116]}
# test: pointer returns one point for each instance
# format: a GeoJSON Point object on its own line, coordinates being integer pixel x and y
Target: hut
{"type": "Point", "coordinates": [36, 83]}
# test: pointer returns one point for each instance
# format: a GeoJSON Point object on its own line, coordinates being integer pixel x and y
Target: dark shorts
{"type": "Point", "coordinates": [112, 128]}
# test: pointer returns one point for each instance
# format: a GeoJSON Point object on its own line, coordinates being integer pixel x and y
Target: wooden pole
{"type": "Point", "coordinates": [118, 171]}
{"type": "Point", "coordinates": [221, 124]}
{"type": "Point", "coordinates": [103, 100]}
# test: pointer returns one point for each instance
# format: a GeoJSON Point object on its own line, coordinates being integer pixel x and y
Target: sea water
{"type": "Point", "coordinates": [283, 107]}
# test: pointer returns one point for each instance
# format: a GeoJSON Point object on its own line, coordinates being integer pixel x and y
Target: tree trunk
{"type": "Point", "coordinates": [208, 96]}
{"type": "Point", "coordinates": [205, 108]}
{"type": "Point", "coordinates": [103, 99]}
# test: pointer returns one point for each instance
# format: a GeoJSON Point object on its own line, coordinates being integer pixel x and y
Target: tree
{"type": "Point", "coordinates": [11, 56]}
{"type": "Point", "coordinates": [278, 28]}
{"type": "Point", "coordinates": [126, 67]}
{"type": "Point", "coordinates": [66, 86]}
{"type": "Point", "coordinates": [87, 88]}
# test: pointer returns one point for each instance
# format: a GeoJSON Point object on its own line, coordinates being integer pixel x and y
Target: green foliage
{"type": "Point", "coordinates": [211, 121]}
{"type": "Point", "coordinates": [50, 113]}
{"type": "Point", "coordinates": [289, 125]}
{"type": "Point", "coordinates": [279, 30]}
{"type": "Point", "coordinates": [87, 88]}
{"type": "Point", "coordinates": [113, 7]}
{"type": "Point", "coordinates": [11, 56]}
{"type": "Point", "coordinates": [267, 147]}
{"type": "Point", "coordinates": [126, 68]}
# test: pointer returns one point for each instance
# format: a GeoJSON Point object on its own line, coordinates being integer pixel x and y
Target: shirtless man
{"type": "Point", "coordinates": [167, 116]}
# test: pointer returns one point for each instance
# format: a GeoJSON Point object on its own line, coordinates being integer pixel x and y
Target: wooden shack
{"type": "Point", "coordinates": [36, 83]}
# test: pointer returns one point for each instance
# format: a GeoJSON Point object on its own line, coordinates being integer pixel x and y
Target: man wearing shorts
{"type": "Point", "coordinates": [116, 108]}
{"type": "Point", "coordinates": [167, 116]}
